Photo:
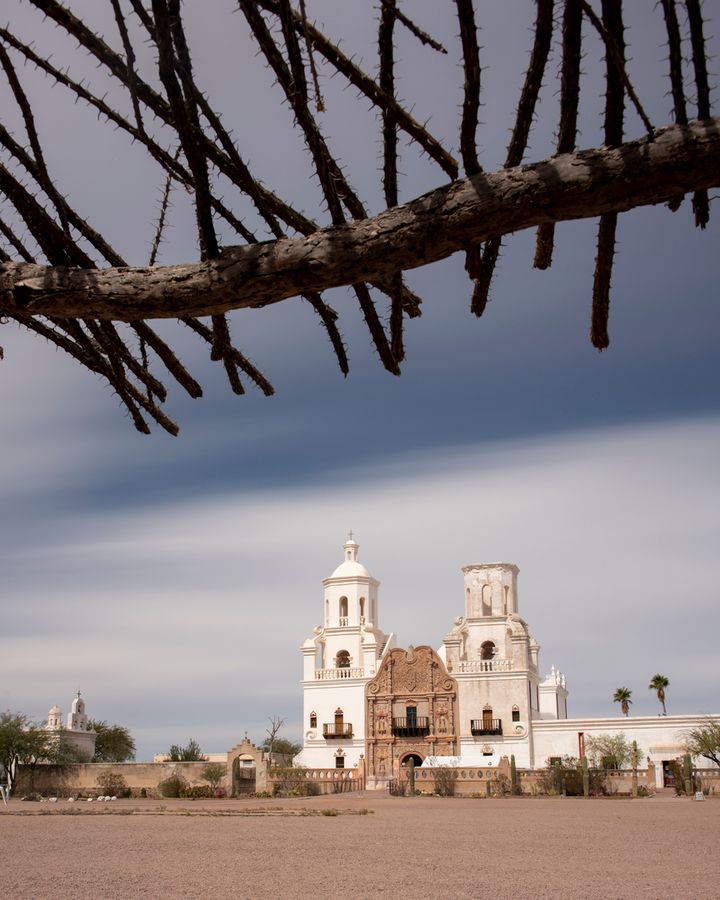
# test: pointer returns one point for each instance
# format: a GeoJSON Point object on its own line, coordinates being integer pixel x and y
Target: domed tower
{"type": "Point", "coordinates": [338, 661]}
{"type": "Point", "coordinates": [54, 720]}
{"type": "Point", "coordinates": [350, 598]}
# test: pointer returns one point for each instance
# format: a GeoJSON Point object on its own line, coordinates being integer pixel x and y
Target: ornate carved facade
{"type": "Point", "coordinates": [411, 710]}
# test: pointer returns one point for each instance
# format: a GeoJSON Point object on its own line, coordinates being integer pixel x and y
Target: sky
{"type": "Point", "coordinates": [173, 580]}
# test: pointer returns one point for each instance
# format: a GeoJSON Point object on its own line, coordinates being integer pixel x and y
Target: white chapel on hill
{"type": "Point", "coordinates": [480, 696]}
{"type": "Point", "coordinates": [78, 731]}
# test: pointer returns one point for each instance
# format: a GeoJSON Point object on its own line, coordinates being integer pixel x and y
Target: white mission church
{"type": "Point", "coordinates": [479, 697]}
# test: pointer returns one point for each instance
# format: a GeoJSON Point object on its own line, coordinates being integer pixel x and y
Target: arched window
{"type": "Point", "coordinates": [313, 719]}
{"type": "Point", "coordinates": [487, 600]}
{"type": "Point", "coordinates": [342, 660]}
{"type": "Point", "coordinates": [487, 650]}
{"type": "Point", "coordinates": [516, 713]}
{"type": "Point", "coordinates": [362, 609]}
{"type": "Point", "coordinates": [343, 607]}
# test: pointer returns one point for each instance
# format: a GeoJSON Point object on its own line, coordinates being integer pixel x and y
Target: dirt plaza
{"type": "Point", "coordinates": [362, 845]}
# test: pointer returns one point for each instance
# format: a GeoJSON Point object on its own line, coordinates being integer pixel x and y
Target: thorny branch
{"type": "Point", "coordinates": [47, 246]}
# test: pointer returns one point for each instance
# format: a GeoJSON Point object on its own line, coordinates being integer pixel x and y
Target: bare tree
{"type": "Point", "coordinates": [276, 723]}
{"type": "Point", "coordinates": [64, 280]}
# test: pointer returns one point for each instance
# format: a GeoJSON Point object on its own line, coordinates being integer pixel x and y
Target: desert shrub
{"type": "Point", "coordinates": [172, 786]}
{"type": "Point", "coordinates": [398, 787]}
{"type": "Point", "coordinates": [445, 780]}
{"type": "Point", "coordinates": [214, 773]}
{"type": "Point", "coordinates": [197, 792]}
{"type": "Point", "coordinates": [220, 793]}
{"type": "Point", "coordinates": [143, 792]}
{"type": "Point", "coordinates": [113, 784]}
{"type": "Point", "coordinates": [611, 751]}
{"type": "Point", "coordinates": [290, 781]}
{"type": "Point", "coordinates": [564, 775]}
{"type": "Point", "coordinates": [501, 787]}
{"type": "Point", "coordinates": [329, 812]}
{"type": "Point", "coordinates": [678, 771]}
{"type": "Point", "coordinates": [297, 789]}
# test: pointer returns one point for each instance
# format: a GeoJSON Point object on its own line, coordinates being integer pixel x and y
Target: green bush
{"type": "Point", "coordinates": [173, 786]}
{"type": "Point", "coordinates": [113, 784]}
{"type": "Point", "coordinates": [214, 773]}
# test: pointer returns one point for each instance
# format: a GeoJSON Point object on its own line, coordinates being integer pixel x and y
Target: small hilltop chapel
{"type": "Point", "coordinates": [480, 697]}
{"type": "Point", "coordinates": [77, 731]}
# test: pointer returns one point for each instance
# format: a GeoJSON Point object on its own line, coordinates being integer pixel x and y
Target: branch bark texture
{"type": "Point", "coordinates": [580, 185]}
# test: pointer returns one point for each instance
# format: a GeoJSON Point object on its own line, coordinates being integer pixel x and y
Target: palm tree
{"type": "Point", "coordinates": [658, 683]}
{"type": "Point", "coordinates": [622, 696]}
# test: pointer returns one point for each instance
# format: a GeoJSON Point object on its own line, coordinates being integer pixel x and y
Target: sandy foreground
{"type": "Point", "coordinates": [664, 847]}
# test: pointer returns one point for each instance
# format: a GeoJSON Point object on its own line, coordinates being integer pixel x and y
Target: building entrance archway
{"type": "Point", "coordinates": [416, 759]}
{"type": "Point", "coordinates": [244, 775]}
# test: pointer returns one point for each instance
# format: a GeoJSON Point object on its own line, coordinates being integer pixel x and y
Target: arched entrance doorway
{"type": "Point", "coordinates": [413, 758]}
{"type": "Point", "coordinates": [244, 775]}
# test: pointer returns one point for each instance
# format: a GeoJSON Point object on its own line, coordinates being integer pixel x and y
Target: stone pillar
{"type": "Point", "coordinates": [504, 767]}
{"type": "Point", "coordinates": [651, 775]}
{"type": "Point", "coordinates": [361, 773]}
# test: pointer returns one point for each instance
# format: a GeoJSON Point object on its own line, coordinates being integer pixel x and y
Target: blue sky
{"type": "Point", "coordinates": [173, 580]}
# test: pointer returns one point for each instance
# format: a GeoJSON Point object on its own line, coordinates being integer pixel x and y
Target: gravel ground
{"type": "Point", "coordinates": [424, 847]}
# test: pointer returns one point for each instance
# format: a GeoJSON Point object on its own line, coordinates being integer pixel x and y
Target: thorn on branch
{"type": "Point", "coordinates": [601, 284]}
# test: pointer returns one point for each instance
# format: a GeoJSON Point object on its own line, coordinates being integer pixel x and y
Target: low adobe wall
{"type": "Point", "coordinates": [317, 781]}
{"type": "Point", "coordinates": [83, 776]}
{"type": "Point", "coordinates": [474, 781]}
{"type": "Point", "coordinates": [485, 781]}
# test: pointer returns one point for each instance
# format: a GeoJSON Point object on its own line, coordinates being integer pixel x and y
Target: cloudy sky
{"type": "Point", "coordinates": [173, 580]}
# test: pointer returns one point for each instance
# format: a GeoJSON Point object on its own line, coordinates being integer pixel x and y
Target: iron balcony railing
{"type": "Point", "coordinates": [331, 730]}
{"type": "Point", "coordinates": [486, 726]}
{"type": "Point", "coordinates": [410, 726]}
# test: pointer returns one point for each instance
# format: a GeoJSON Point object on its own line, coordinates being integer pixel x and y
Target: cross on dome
{"type": "Point", "coordinates": [351, 548]}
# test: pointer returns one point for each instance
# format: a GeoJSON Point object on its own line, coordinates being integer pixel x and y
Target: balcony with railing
{"type": "Point", "coordinates": [343, 672]}
{"type": "Point", "coordinates": [486, 665]}
{"type": "Point", "coordinates": [411, 726]}
{"type": "Point", "coordinates": [337, 730]}
{"type": "Point", "coordinates": [486, 726]}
